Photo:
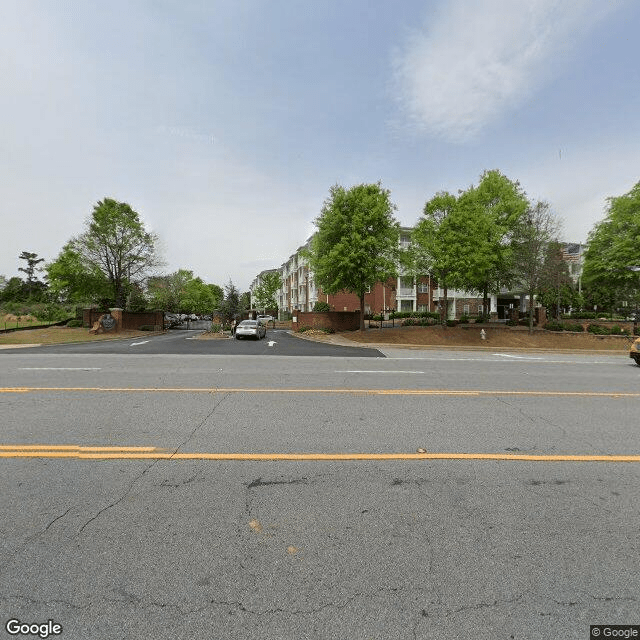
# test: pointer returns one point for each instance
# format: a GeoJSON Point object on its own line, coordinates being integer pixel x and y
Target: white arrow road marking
{"type": "Point", "coordinates": [505, 355]}
{"type": "Point", "coordinates": [59, 368]}
{"type": "Point", "coordinates": [358, 371]}
{"type": "Point", "coordinates": [135, 344]}
{"type": "Point", "coordinates": [271, 343]}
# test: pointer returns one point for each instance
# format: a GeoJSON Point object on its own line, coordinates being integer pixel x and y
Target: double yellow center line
{"type": "Point", "coordinates": [154, 453]}
{"type": "Point", "coordinates": [376, 392]}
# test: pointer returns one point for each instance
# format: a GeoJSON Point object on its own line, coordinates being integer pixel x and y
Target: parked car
{"type": "Point", "coordinates": [635, 351]}
{"type": "Point", "coordinates": [251, 329]}
{"type": "Point", "coordinates": [265, 319]}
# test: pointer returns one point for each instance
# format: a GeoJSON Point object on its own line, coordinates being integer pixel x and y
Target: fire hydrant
{"type": "Point", "coordinates": [483, 334]}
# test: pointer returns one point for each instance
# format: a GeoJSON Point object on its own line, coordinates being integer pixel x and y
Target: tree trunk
{"type": "Point", "coordinates": [362, 312]}
{"type": "Point", "coordinates": [444, 310]}
{"type": "Point", "coordinates": [530, 312]}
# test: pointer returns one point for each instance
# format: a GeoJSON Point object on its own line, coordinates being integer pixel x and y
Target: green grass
{"type": "Point", "coordinates": [62, 335]}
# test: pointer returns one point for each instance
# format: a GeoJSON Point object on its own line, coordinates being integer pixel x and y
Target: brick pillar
{"type": "Point", "coordinates": [117, 315]}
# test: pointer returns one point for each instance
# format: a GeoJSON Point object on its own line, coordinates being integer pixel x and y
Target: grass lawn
{"type": "Point", "coordinates": [10, 321]}
{"type": "Point", "coordinates": [62, 335]}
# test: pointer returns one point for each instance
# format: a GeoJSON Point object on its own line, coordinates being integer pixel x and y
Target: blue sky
{"type": "Point", "coordinates": [224, 124]}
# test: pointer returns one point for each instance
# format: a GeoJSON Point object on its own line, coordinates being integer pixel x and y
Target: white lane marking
{"type": "Point", "coordinates": [489, 360]}
{"type": "Point", "coordinates": [59, 368]}
{"type": "Point", "coordinates": [135, 344]}
{"type": "Point", "coordinates": [363, 371]}
{"type": "Point", "coordinates": [506, 355]}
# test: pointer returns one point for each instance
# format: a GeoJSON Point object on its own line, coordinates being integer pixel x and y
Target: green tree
{"type": "Point", "coordinates": [72, 280]}
{"type": "Point", "coordinates": [14, 290]}
{"type": "Point", "coordinates": [488, 216]}
{"type": "Point", "coordinates": [181, 292]}
{"type": "Point", "coordinates": [232, 306]}
{"type": "Point", "coordinates": [555, 286]}
{"type": "Point", "coordinates": [117, 243]}
{"type": "Point", "coordinates": [537, 230]}
{"type": "Point", "coordinates": [167, 291]}
{"type": "Point", "coordinates": [356, 244]}
{"type": "Point", "coordinates": [30, 270]}
{"type": "Point", "coordinates": [264, 295]}
{"type": "Point", "coordinates": [434, 243]}
{"type": "Point", "coordinates": [199, 297]}
{"type": "Point", "coordinates": [613, 247]}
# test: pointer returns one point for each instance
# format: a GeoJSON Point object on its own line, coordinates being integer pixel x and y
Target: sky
{"type": "Point", "coordinates": [225, 123]}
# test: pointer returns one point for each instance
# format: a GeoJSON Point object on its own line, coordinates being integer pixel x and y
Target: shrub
{"type": "Point", "coordinates": [321, 307]}
{"type": "Point", "coordinates": [464, 319]}
{"type": "Point", "coordinates": [617, 330]}
{"type": "Point", "coordinates": [216, 328]}
{"type": "Point", "coordinates": [303, 329]}
{"type": "Point", "coordinates": [554, 326]}
{"type": "Point", "coordinates": [74, 323]}
{"type": "Point", "coordinates": [328, 330]}
{"type": "Point", "coordinates": [599, 330]}
{"type": "Point", "coordinates": [452, 323]}
{"type": "Point", "coordinates": [576, 327]}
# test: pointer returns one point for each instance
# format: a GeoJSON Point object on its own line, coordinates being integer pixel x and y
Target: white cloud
{"type": "Point", "coordinates": [474, 61]}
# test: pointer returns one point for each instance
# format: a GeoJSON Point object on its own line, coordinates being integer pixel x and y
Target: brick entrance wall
{"type": "Point", "coordinates": [130, 320]}
{"type": "Point", "coordinates": [336, 320]}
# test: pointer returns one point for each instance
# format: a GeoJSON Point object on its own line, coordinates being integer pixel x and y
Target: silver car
{"type": "Point", "coordinates": [251, 329]}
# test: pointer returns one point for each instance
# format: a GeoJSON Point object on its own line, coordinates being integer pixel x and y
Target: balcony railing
{"type": "Point", "coordinates": [405, 292]}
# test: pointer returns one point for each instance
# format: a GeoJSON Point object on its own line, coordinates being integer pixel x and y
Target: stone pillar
{"type": "Point", "coordinates": [117, 316]}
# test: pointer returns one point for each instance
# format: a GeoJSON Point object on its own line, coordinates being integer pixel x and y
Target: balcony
{"type": "Point", "coordinates": [405, 292]}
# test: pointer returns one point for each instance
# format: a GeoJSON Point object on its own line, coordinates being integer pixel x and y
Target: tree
{"type": "Point", "coordinates": [356, 244]}
{"type": "Point", "coordinates": [73, 280]}
{"type": "Point", "coordinates": [432, 245]}
{"type": "Point", "coordinates": [181, 292]}
{"type": "Point", "coordinates": [613, 247]}
{"type": "Point", "coordinates": [199, 297]}
{"type": "Point", "coordinates": [13, 291]}
{"type": "Point", "coordinates": [231, 306]}
{"type": "Point", "coordinates": [537, 229]}
{"type": "Point", "coordinates": [117, 244]}
{"type": "Point", "coordinates": [31, 268]}
{"type": "Point", "coordinates": [264, 295]}
{"type": "Point", "coordinates": [167, 291]}
{"type": "Point", "coordinates": [556, 285]}
{"type": "Point", "coordinates": [489, 214]}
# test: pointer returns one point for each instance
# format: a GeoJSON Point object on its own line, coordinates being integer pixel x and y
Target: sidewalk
{"type": "Point", "coordinates": [341, 339]}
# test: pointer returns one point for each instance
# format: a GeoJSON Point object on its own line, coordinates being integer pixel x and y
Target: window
{"type": "Point", "coordinates": [465, 309]}
{"type": "Point", "coordinates": [406, 305]}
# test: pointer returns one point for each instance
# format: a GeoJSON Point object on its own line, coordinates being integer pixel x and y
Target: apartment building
{"type": "Point", "coordinates": [404, 293]}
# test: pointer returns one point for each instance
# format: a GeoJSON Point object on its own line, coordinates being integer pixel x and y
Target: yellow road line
{"type": "Point", "coordinates": [151, 453]}
{"type": "Point", "coordinates": [379, 392]}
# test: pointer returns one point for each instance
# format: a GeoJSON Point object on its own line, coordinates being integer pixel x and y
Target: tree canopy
{"type": "Point", "coordinates": [356, 243]}
{"type": "Point", "coordinates": [264, 295]}
{"type": "Point", "coordinates": [116, 245]}
{"type": "Point", "coordinates": [614, 247]}
{"type": "Point", "coordinates": [536, 235]}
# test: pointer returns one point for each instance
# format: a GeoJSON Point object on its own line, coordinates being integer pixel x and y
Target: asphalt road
{"type": "Point", "coordinates": [277, 342]}
{"type": "Point", "coordinates": [161, 536]}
